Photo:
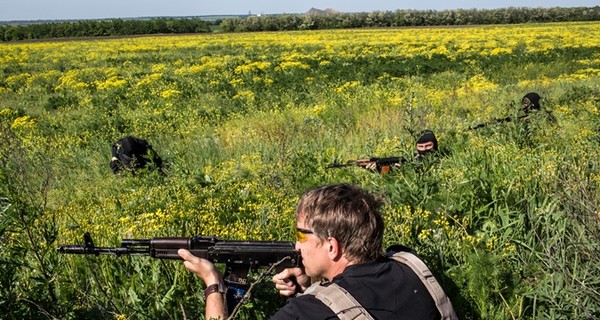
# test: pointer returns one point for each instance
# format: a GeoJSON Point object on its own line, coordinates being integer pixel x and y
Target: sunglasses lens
{"type": "Point", "coordinates": [301, 237]}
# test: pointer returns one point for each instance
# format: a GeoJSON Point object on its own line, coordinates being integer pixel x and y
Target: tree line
{"type": "Point", "coordinates": [404, 18]}
{"type": "Point", "coordinates": [287, 22]}
{"type": "Point", "coordinates": [103, 28]}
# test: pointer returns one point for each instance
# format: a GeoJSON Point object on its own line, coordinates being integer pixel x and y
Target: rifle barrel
{"type": "Point", "coordinates": [78, 249]}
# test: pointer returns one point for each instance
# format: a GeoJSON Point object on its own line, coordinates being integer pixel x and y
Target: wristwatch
{"type": "Point", "coordinates": [217, 287]}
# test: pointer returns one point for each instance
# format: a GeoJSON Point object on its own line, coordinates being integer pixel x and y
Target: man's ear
{"type": "Point", "coordinates": [333, 249]}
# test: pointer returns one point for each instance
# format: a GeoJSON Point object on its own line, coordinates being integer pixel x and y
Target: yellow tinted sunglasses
{"type": "Point", "coordinates": [302, 234]}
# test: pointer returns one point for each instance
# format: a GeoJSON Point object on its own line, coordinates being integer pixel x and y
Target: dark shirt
{"type": "Point", "coordinates": [387, 289]}
{"type": "Point", "coordinates": [133, 153]}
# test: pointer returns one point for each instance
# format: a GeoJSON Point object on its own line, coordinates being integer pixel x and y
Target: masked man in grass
{"type": "Point", "coordinates": [535, 120]}
{"type": "Point", "coordinates": [527, 124]}
{"type": "Point", "coordinates": [531, 107]}
{"type": "Point", "coordinates": [131, 154]}
{"type": "Point", "coordinates": [426, 147]}
{"type": "Point", "coordinates": [339, 236]}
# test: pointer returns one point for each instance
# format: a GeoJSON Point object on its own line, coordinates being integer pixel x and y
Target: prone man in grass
{"type": "Point", "coordinates": [339, 236]}
{"type": "Point", "coordinates": [131, 153]}
{"type": "Point", "coordinates": [530, 108]}
{"type": "Point", "coordinates": [426, 147]}
{"type": "Point", "coordinates": [534, 124]}
{"type": "Point", "coordinates": [534, 121]}
{"type": "Point", "coordinates": [530, 122]}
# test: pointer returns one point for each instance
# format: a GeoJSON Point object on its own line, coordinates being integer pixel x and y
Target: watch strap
{"type": "Point", "coordinates": [213, 288]}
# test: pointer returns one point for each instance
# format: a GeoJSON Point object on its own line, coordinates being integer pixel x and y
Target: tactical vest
{"type": "Point", "coordinates": [343, 304]}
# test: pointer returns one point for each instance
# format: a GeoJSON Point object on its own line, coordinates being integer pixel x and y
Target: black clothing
{"type": "Point", "coordinates": [385, 288]}
{"type": "Point", "coordinates": [132, 153]}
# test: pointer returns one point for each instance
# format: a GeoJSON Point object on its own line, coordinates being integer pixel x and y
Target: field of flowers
{"type": "Point", "coordinates": [508, 219]}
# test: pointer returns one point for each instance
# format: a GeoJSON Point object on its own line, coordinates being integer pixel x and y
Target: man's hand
{"type": "Point", "coordinates": [115, 165]}
{"type": "Point", "coordinates": [206, 270]}
{"type": "Point", "coordinates": [291, 281]}
{"type": "Point", "coordinates": [371, 165]}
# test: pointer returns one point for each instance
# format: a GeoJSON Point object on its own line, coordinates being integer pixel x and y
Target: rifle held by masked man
{"type": "Point", "coordinates": [496, 121]}
{"type": "Point", "coordinates": [383, 165]}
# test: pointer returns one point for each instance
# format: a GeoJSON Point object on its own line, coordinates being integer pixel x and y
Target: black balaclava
{"type": "Point", "coordinates": [427, 136]}
{"type": "Point", "coordinates": [531, 101]}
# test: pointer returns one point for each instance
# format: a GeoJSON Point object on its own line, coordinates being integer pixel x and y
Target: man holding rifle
{"type": "Point", "coordinates": [339, 232]}
{"type": "Point", "coordinates": [425, 145]}
{"type": "Point", "coordinates": [531, 106]}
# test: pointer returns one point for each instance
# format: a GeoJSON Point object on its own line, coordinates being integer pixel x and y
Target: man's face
{"type": "Point", "coordinates": [425, 146]}
{"type": "Point", "coordinates": [313, 251]}
{"type": "Point", "coordinates": [526, 104]}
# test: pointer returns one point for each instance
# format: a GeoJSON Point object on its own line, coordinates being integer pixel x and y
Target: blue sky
{"type": "Point", "coordinates": [95, 9]}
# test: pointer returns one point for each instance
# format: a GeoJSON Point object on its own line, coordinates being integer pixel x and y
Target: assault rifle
{"type": "Point", "coordinates": [239, 257]}
{"type": "Point", "coordinates": [383, 165]}
{"type": "Point", "coordinates": [495, 121]}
